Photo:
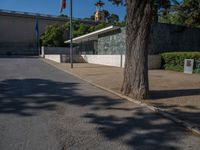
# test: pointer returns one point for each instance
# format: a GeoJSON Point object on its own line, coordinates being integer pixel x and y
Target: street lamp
{"type": "Point", "coordinates": [71, 35]}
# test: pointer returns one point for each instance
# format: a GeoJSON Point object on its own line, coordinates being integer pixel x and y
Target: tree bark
{"type": "Point", "coordinates": [139, 16]}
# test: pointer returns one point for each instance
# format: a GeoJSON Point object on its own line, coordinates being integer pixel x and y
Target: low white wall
{"type": "Point", "coordinates": [154, 61]}
{"type": "Point", "coordinates": [63, 58]}
{"type": "Point", "coordinates": [109, 60]}
{"type": "Point", "coordinates": [57, 54]}
{"type": "Point", "coordinates": [53, 57]}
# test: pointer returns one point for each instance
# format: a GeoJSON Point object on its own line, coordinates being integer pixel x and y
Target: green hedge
{"type": "Point", "coordinates": [175, 60]}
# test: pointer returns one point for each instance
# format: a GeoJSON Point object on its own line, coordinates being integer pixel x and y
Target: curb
{"type": "Point", "coordinates": [160, 111]}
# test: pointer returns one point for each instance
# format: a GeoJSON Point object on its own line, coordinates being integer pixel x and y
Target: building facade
{"type": "Point", "coordinates": [17, 30]}
{"type": "Point", "coordinates": [164, 38]}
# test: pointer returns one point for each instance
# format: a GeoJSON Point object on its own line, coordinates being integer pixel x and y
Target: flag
{"type": "Point", "coordinates": [36, 26]}
{"type": "Point", "coordinates": [37, 32]}
{"type": "Point", "coordinates": [62, 5]}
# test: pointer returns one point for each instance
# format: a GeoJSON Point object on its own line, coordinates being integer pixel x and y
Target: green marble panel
{"type": "Point", "coordinates": [112, 44]}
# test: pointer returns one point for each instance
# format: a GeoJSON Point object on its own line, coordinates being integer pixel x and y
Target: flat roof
{"type": "Point", "coordinates": [12, 12]}
{"type": "Point", "coordinates": [93, 35]}
{"type": "Point", "coordinates": [4, 12]}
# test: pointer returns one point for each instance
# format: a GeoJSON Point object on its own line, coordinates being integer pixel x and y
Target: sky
{"type": "Point", "coordinates": [81, 8]}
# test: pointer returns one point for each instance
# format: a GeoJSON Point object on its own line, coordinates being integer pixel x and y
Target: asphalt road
{"type": "Point", "coordinates": [43, 108]}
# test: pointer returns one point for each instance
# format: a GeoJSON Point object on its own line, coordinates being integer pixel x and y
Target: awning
{"type": "Point", "coordinates": [93, 35]}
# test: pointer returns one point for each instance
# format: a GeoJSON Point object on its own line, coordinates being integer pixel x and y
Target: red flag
{"type": "Point", "coordinates": [63, 5]}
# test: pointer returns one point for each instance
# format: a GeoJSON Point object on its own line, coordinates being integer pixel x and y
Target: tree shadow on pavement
{"type": "Point", "coordinates": [115, 119]}
{"type": "Point", "coordinates": [24, 97]}
{"type": "Point", "coordinates": [173, 93]}
{"type": "Point", "coordinates": [180, 105]}
{"type": "Point", "coordinates": [186, 113]}
{"type": "Point", "coordinates": [144, 130]}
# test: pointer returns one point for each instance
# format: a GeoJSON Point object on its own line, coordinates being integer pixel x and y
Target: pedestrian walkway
{"type": "Point", "coordinates": [175, 92]}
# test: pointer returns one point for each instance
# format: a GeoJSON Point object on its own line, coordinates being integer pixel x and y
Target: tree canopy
{"type": "Point", "coordinates": [181, 12]}
{"type": "Point", "coordinates": [113, 18]}
{"type": "Point", "coordinates": [186, 12]}
{"type": "Point", "coordinates": [53, 36]}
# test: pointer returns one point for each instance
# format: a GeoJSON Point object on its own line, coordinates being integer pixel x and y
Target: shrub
{"type": "Point", "coordinates": [53, 36]}
{"type": "Point", "coordinates": [175, 60]}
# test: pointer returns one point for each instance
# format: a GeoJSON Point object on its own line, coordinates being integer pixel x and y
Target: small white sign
{"type": "Point", "coordinates": [188, 66]}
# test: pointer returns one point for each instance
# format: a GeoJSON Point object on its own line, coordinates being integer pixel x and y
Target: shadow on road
{"type": "Point", "coordinates": [141, 129]}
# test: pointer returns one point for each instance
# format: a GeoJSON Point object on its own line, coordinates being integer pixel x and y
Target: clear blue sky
{"type": "Point", "coordinates": [82, 8]}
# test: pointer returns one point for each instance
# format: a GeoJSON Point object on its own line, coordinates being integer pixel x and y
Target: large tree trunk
{"type": "Point", "coordinates": [139, 16]}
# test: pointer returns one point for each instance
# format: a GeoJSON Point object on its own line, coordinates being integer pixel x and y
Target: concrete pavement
{"type": "Point", "coordinates": [42, 107]}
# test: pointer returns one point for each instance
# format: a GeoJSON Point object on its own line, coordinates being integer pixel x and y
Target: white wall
{"type": "Point", "coordinates": [109, 60]}
{"type": "Point", "coordinates": [57, 54]}
{"type": "Point", "coordinates": [54, 57]}
{"type": "Point", "coordinates": [119, 60]}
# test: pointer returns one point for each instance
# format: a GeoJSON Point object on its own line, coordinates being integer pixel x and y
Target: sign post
{"type": "Point", "coordinates": [188, 66]}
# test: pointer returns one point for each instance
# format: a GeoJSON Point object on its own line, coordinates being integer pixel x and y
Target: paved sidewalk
{"type": "Point", "coordinates": [177, 93]}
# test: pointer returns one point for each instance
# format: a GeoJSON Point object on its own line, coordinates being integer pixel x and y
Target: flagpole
{"type": "Point", "coordinates": [71, 35]}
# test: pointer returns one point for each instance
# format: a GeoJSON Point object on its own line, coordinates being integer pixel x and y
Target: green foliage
{"type": "Point", "coordinates": [120, 24]}
{"type": "Point", "coordinates": [113, 18]}
{"type": "Point", "coordinates": [81, 28]}
{"type": "Point", "coordinates": [175, 60]}
{"type": "Point", "coordinates": [197, 66]}
{"type": "Point", "coordinates": [106, 13]}
{"type": "Point", "coordinates": [100, 26]}
{"type": "Point", "coordinates": [181, 12]}
{"type": "Point", "coordinates": [190, 12]}
{"type": "Point", "coordinates": [172, 18]}
{"type": "Point", "coordinates": [53, 36]}
{"type": "Point", "coordinates": [186, 12]}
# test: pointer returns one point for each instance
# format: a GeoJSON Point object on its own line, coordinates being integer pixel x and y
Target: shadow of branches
{"type": "Point", "coordinates": [115, 119]}
{"type": "Point", "coordinates": [159, 94]}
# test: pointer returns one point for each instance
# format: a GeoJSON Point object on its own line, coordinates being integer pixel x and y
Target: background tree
{"type": "Point", "coordinates": [160, 6]}
{"type": "Point", "coordinates": [79, 28]}
{"type": "Point", "coordinates": [92, 17]}
{"type": "Point", "coordinates": [113, 18]}
{"type": "Point", "coordinates": [107, 14]}
{"type": "Point", "coordinates": [186, 12]}
{"type": "Point", "coordinates": [189, 11]}
{"type": "Point", "coordinates": [53, 36]}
